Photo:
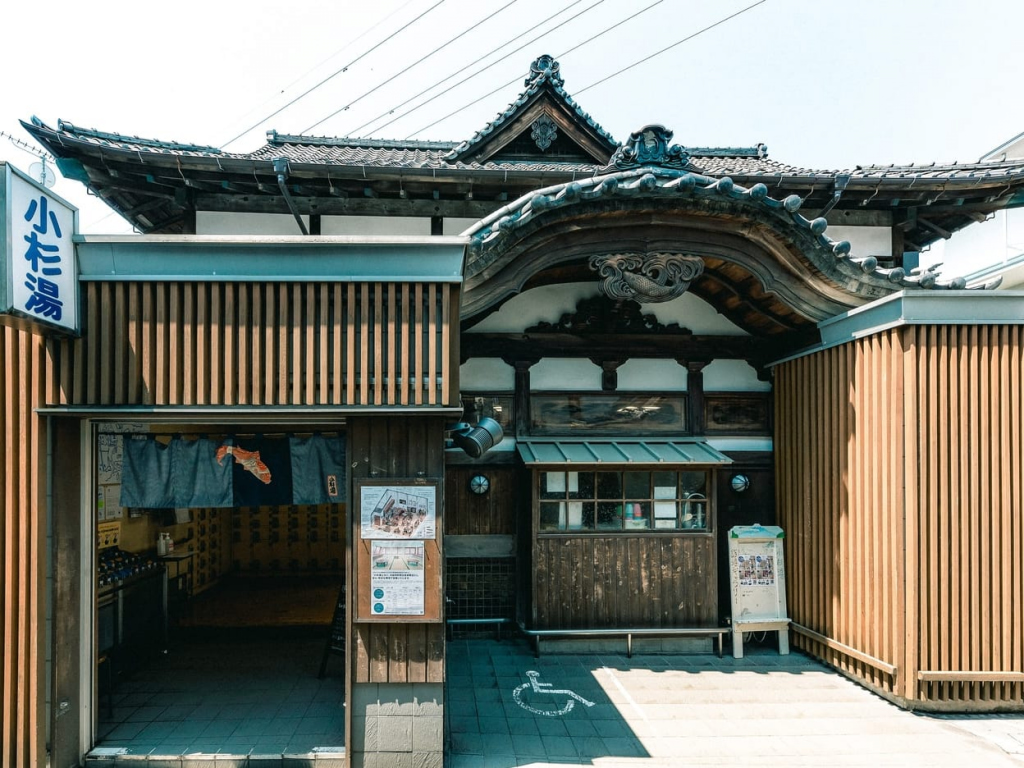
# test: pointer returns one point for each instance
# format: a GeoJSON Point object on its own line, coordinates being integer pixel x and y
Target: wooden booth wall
{"type": "Point", "coordinates": [921, 424]}
{"type": "Point", "coordinates": [964, 510]}
{"type": "Point", "coordinates": [156, 343]}
{"type": "Point", "coordinates": [397, 447]}
{"type": "Point", "coordinates": [169, 343]}
{"type": "Point", "coordinates": [625, 581]}
{"type": "Point", "coordinates": [22, 539]}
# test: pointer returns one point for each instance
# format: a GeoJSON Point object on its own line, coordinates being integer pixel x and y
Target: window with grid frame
{"type": "Point", "coordinates": [607, 501]}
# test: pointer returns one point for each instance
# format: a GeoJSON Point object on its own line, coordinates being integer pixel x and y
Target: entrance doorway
{"type": "Point", "coordinates": [217, 626]}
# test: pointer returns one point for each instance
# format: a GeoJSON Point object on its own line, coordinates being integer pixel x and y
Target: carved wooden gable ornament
{"type": "Point", "coordinates": [543, 123]}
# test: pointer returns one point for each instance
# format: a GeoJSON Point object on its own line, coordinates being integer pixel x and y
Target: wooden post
{"type": "Point", "coordinates": [695, 394]}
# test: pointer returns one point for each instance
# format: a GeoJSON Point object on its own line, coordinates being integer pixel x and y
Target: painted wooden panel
{"type": "Point", "coordinates": [624, 581]}
{"type": "Point", "coordinates": [401, 447]}
{"type": "Point", "coordinates": [22, 539]}
{"type": "Point", "coordinates": [899, 486]}
{"type": "Point", "coordinates": [260, 344]}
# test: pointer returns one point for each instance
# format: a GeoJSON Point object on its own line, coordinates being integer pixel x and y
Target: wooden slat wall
{"type": "Point", "coordinates": [967, 505]}
{"type": "Point", "coordinates": [839, 499]}
{"type": "Point", "coordinates": [156, 343]}
{"type": "Point", "coordinates": [493, 513]}
{"type": "Point", "coordinates": [399, 447]}
{"type": "Point", "coordinates": [624, 581]}
{"type": "Point", "coordinates": [938, 596]}
{"type": "Point", "coordinates": [22, 538]}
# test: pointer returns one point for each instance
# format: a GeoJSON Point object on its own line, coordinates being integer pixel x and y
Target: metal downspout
{"type": "Point", "coordinates": [281, 169]}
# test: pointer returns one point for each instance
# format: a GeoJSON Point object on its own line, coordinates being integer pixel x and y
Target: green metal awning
{"type": "Point", "coordinates": [607, 451]}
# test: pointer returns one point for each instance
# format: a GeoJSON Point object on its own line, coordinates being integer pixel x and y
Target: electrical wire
{"type": "Point", "coordinates": [564, 53]}
{"type": "Point", "coordinates": [466, 31]}
{"type": "Point", "coordinates": [334, 55]}
{"type": "Point", "coordinates": [479, 72]}
{"type": "Point", "coordinates": [670, 47]}
{"type": "Point", "coordinates": [463, 69]}
{"type": "Point", "coordinates": [335, 74]}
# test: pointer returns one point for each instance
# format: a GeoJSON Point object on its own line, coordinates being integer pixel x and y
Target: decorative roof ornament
{"type": "Point", "coordinates": [648, 278]}
{"type": "Point", "coordinates": [650, 146]}
{"type": "Point", "coordinates": [543, 83]}
{"type": "Point", "coordinates": [543, 132]}
{"type": "Point", "coordinates": [601, 315]}
{"type": "Point", "coordinates": [545, 66]}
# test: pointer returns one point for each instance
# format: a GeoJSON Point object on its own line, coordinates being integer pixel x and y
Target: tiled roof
{"type": "Point", "coordinates": [544, 73]}
{"type": "Point", "coordinates": [385, 154]}
{"type": "Point", "coordinates": [492, 232]}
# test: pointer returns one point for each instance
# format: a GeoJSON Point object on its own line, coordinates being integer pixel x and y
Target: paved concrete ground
{"type": "Point", "coordinates": [654, 711]}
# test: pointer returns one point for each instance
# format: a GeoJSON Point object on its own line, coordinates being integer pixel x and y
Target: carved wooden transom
{"type": "Point", "coordinates": [646, 277]}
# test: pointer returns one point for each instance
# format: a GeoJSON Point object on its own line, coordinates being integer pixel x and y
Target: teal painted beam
{"type": "Point", "coordinates": [220, 259]}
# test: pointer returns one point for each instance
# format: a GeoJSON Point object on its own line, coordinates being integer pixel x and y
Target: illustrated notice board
{"type": "Point", "coordinates": [757, 573]}
{"type": "Point", "coordinates": [397, 550]}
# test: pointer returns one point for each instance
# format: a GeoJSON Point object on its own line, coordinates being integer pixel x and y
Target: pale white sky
{"type": "Point", "coordinates": [824, 83]}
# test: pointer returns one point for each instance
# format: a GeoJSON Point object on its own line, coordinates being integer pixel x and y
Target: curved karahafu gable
{"type": "Point", "coordinates": [766, 266]}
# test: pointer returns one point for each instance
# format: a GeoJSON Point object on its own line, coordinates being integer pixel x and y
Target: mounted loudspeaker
{"type": "Point", "coordinates": [477, 440]}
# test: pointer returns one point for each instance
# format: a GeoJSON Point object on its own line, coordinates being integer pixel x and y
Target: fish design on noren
{"type": "Point", "coordinates": [250, 461]}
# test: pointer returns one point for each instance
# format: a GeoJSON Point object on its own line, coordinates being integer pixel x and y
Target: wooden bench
{"type": "Point", "coordinates": [718, 632]}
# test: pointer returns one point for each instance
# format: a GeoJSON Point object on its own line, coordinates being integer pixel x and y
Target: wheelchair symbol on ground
{"type": "Point", "coordinates": [545, 688]}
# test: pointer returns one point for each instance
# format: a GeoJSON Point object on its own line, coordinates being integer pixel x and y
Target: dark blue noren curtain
{"type": "Point", "coordinates": [233, 472]}
{"type": "Point", "coordinates": [146, 474]}
{"type": "Point", "coordinates": [181, 473]}
{"type": "Point", "coordinates": [318, 469]}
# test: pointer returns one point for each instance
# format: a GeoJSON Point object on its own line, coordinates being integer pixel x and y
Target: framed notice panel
{"type": "Point", "coordinates": [397, 550]}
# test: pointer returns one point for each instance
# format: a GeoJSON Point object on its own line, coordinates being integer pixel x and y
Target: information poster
{"type": "Point", "coordinates": [756, 570]}
{"type": "Point", "coordinates": [398, 512]}
{"type": "Point", "coordinates": [396, 578]}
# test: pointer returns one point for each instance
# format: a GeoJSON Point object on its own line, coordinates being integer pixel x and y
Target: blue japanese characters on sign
{"type": "Point", "coordinates": [40, 273]}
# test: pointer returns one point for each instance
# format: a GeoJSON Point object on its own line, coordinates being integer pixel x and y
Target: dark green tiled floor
{"type": "Point", "coordinates": [251, 692]}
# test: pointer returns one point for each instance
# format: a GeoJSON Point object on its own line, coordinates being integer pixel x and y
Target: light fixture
{"type": "Point", "coordinates": [739, 483]}
{"type": "Point", "coordinates": [476, 440]}
{"type": "Point", "coordinates": [479, 484]}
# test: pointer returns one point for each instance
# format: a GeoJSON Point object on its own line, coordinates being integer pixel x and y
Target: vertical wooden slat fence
{"type": "Point", "coordinates": [22, 536]}
{"type": "Point", "coordinates": [900, 489]}
{"type": "Point", "coordinates": [261, 344]}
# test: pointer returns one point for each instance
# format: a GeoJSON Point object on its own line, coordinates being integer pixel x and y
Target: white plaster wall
{"type": "Point", "coordinates": [693, 312]}
{"type": "Point", "coordinates": [548, 303]}
{"type": "Point", "coordinates": [733, 376]}
{"type": "Point", "coordinates": [558, 373]}
{"type": "Point", "coordinates": [453, 226]}
{"type": "Point", "coordinates": [864, 241]}
{"type": "Point", "coordinates": [981, 245]}
{"type": "Point", "coordinates": [487, 374]}
{"type": "Point", "coordinates": [645, 375]}
{"type": "Point", "coordinates": [375, 225]}
{"type": "Point", "coordinates": [217, 223]}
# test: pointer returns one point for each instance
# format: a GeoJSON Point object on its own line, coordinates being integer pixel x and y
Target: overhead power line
{"type": "Point", "coordinates": [670, 47]}
{"type": "Point", "coordinates": [604, 31]}
{"type": "Point", "coordinates": [333, 56]}
{"type": "Point", "coordinates": [394, 77]}
{"type": "Point", "coordinates": [472, 64]}
{"type": "Point", "coordinates": [335, 74]}
{"type": "Point", "coordinates": [497, 60]}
